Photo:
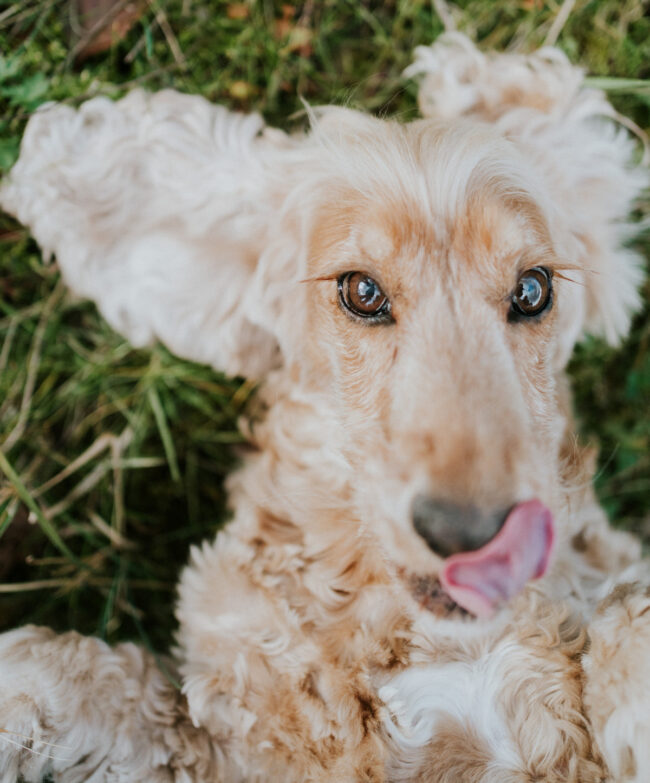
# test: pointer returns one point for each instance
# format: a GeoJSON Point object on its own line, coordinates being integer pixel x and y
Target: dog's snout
{"type": "Point", "coordinates": [449, 528]}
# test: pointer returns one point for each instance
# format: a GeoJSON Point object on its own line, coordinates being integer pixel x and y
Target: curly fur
{"type": "Point", "coordinates": [303, 651]}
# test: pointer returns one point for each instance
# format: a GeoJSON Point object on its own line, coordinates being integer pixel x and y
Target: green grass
{"type": "Point", "coordinates": [114, 458]}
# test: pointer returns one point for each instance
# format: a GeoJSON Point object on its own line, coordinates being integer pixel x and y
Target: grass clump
{"type": "Point", "coordinates": [112, 459]}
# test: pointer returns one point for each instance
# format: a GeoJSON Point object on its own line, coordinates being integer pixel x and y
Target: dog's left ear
{"type": "Point", "coordinates": [583, 160]}
{"type": "Point", "coordinates": [160, 209]}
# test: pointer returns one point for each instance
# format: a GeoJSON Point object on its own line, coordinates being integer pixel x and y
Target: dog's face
{"type": "Point", "coordinates": [437, 305]}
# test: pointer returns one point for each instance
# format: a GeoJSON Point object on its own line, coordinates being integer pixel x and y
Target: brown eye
{"type": "Point", "coordinates": [533, 293]}
{"type": "Point", "coordinates": [362, 296]}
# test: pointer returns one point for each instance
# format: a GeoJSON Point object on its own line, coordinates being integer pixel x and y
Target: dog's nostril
{"type": "Point", "coordinates": [449, 528]}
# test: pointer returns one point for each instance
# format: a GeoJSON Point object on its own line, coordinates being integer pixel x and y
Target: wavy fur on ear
{"type": "Point", "coordinates": [158, 208]}
{"type": "Point", "coordinates": [567, 134]}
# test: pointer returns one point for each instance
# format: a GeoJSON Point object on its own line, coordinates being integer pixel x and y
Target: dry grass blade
{"type": "Point", "coordinates": [104, 442]}
{"type": "Point", "coordinates": [37, 584]}
{"type": "Point", "coordinates": [444, 12]}
{"type": "Point", "coordinates": [47, 527]}
{"type": "Point", "coordinates": [165, 433]}
{"type": "Point", "coordinates": [32, 370]}
{"type": "Point", "coordinates": [163, 22]}
{"type": "Point", "coordinates": [96, 29]}
{"type": "Point", "coordinates": [113, 535]}
{"type": "Point", "coordinates": [559, 22]}
{"type": "Point", "coordinates": [82, 488]}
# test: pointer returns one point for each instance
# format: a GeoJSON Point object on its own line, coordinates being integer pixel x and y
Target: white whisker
{"type": "Point", "coordinates": [31, 750]}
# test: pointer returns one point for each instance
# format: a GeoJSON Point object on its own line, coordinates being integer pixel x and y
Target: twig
{"type": "Point", "coordinates": [45, 584]}
{"type": "Point", "coordinates": [172, 41]}
{"type": "Point", "coordinates": [7, 343]}
{"type": "Point", "coordinates": [441, 7]}
{"type": "Point", "coordinates": [117, 447]}
{"type": "Point", "coordinates": [130, 56]}
{"type": "Point", "coordinates": [73, 18]}
{"type": "Point", "coordinates": [9, 11]}
{"type": "Point", "coordinates": [95, 30]}
{"type": "Point", "coordinates": [638, 131]}
{"type": "Point", "coordinates": [32, 371]}
{"type": "Point", "coordinates": [102, 443]}
{"type": "Point", "coordinates": [559, 22]}
{"type": "Point", "coordinates": [46, 526]}
{"type": "Point", "coordinates": [25, 13]}
{"type": "Point", "coordinates": [116, 538]}
{"type": "Point", "coordinates": [41, 584]}
{"type": "Point", "coordinates": [82, 488]}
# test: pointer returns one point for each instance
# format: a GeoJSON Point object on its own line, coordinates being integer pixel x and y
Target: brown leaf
{"type": "Point", "coordinates": [105, 23]}
{"type": "Point", "coordinates": [237, 11]}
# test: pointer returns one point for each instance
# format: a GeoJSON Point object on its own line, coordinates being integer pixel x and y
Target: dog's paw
{"type": "Point", "coordinates": [27, 751]}
{"type": "Point", "coordinates": [73, 709]}
{"type": "Point", "coordinates": [617, 681]}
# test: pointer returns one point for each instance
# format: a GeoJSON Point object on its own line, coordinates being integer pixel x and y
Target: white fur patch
{"type": "Point", "coordinates": [418, 699]}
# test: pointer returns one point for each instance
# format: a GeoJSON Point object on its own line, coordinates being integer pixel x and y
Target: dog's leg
{"type": "Point", "coordinates": [74, 709]}
{"type": "Point", "coordinates": [617, 681]}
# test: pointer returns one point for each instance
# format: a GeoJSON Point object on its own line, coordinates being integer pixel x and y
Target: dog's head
{"type": "Point", "coordinates": [435, 300]}
{"type": "Point", "coordinates": [439, 299]}
{"type": "Point", "coordinates": [418, 288]}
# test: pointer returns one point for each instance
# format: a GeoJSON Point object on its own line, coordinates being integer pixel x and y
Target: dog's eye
{"type": "Point", "coordinates": [362, 296]}
{"type": "Point", "coordinates": [533, 293]}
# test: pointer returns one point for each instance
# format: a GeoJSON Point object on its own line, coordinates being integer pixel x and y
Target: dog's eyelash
{"type": "Point", "coordinates": [556, 266]}
{"type": "Point", "coordinates": [320, 279]}
{"type": "Point", "coordinates": [558, 274]}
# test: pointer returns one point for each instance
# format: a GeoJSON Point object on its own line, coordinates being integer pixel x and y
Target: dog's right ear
{"type": "Point", "coordinates": [159, 208]}
{"type": "Point", "coordinates": [566, 135]}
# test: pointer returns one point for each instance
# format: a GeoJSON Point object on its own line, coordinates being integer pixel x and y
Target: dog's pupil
{"type": "Point", "coordinates": [532, 292]}
{"type": "Point", "coordinates": [365, 294]}
{"type": "Point", "coordinates": [368, 291]}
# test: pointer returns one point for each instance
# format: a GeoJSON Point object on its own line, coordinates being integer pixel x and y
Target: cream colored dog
{"type": "Point", "coordinates": [417, 584]}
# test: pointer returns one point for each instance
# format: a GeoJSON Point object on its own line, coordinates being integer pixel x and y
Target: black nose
{"type": "Point", "coordinates": [449, 528]}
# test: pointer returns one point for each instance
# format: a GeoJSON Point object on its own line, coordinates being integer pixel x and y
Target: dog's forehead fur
{"type": "Point", "coordinates": [430, 221]}
{"type": "Point", "coordinates": [433, 169]}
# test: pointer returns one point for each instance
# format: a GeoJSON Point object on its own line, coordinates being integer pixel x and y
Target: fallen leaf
{"type": "Point", "coordinates": [237, 11]}
{"type": "Point", "coordinates": [117, 23]}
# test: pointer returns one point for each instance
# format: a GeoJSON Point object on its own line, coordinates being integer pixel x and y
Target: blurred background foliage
{"type": "Point", "coordinates": [112, 459]}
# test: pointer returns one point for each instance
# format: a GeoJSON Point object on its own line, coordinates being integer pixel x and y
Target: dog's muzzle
{"type": "Point", "coordinates": [489, 557]}
{"type": "Point", "coordinates": [449, 528]}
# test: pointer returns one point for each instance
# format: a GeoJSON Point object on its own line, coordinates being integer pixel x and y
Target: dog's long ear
{"type": "Point", "coordinates": [159, 208]}
{"type": "Point", "coordinates": [567, 135]}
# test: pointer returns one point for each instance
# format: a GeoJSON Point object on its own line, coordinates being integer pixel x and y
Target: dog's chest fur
{"type": "Point", "coordinates": [324, 662]}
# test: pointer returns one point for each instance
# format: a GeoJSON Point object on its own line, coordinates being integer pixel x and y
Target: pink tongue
{"type": "Point", "coordinates": [480, 581]}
